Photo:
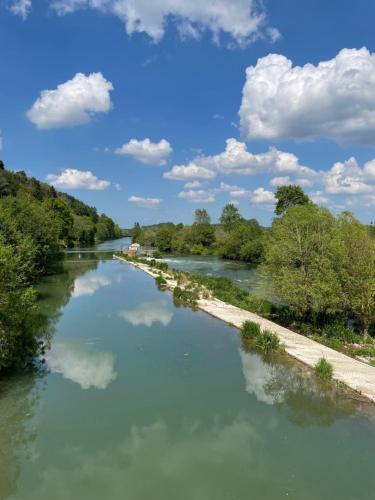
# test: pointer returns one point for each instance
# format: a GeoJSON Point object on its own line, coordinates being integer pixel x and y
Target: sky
{"type": "Point", "coordinates": [149, 110]}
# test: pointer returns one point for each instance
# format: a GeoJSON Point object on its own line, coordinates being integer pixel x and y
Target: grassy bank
{"type": "Point", "coordinates": [334, 333]}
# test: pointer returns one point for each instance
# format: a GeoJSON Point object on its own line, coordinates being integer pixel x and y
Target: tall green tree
{"type": "Point", "coordinates": [136, 233]}
{"type": "Point", "coordinates": [359, 269]}
{"type": "Point", "coordinates": [201, 217]}
{"type": "Point", "coordinates": [289, 196]}
{"type": "Point", "coordinates": [303, 256]}
{"type": "Point", "coordinates": [202, 232]}
{"type": "Point", "coordinates": [230, 217]}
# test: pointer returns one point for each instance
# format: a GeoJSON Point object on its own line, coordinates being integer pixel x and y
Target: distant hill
{"type": "Point", "coordinates": [80, 224]}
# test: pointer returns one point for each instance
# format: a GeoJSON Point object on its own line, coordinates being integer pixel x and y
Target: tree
{"type": "Point", "coordinates": [359, 269]}
{"type": "Point", "coordinates": [244, 242]}
{"type": "Point", "coordinates": [303, 261]}
{"type": "Point", "coordinates": [136, 232]}
{"type": "Point", "coordinates": [289, 196]}
{"type": "Point", "coordinates": [201, 217]}
{"type": "Point", "coordinates": [230, 216]}
{"type": "Point", "coordinates": [202, 231]}
{"type": "Point", "coordinates": [164, 238]}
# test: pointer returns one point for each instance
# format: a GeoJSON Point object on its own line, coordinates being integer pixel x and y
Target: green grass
{"type": "Point", "coordinates": [341, 332]}
{"type": "Point", "coordinates": [323, 369]}
{"type": "Point", "coordinates": [365, 351]}
{"type": "Point", "coordinates": [267, 342]}
{"type": "Point", "coordinates": [250, 330]}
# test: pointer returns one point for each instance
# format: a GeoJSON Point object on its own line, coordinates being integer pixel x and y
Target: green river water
{"type": "Point", "coordinates": [141, 400]}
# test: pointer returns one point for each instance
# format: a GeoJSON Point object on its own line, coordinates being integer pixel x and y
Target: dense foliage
{"type": "Point", "coordinates": [234, 238]}
{"type": "Point", "coordinates": [322, 267]}
{"type": "Point", "coordinates": [289, 196]}
{"type": "Point", "coordinates": [36, 223]}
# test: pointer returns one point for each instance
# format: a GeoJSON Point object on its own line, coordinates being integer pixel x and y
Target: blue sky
{"type": "Point", "coordinates": [175, 73]}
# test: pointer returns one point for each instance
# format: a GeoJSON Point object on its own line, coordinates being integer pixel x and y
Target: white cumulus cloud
{"type": "Point", "coordinates": [236, 159]}
{"type": "Point", "coordinates": [72, 178]}
{"type": "Point", "coordinates": [190, 171]}
{"type": "Point", "coordinates": [199, 196]}
{"type": "Point", "coordinates": [193, 185]}
{"type": "Point", "coordinates": [349, 178]}
{"type": "Point", "coordinates": [261, 196]}
{"type": "Point", "coordinates": [334, 99]}
{"type": "Point", "coordinates": [21, 8]}
{"type": "Point", "coordinates": [242, 20]}
{"type": "Point", "coordinates": [145, 202]}
{"type": "Point", "coordinates": [72, 103]}
{"type": "Point", "coordinates": [146, 151]}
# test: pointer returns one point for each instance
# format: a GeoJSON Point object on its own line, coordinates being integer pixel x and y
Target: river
{"type": "Point", "coordinates": [142, 400]}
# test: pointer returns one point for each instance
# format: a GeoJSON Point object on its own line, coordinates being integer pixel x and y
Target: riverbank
{"type": "Point", "coordinates": [356, 375]}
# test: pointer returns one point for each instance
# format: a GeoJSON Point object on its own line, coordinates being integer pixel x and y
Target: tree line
{"type": "Point", "coordinates": [234, 238]}
{"type": "Point", "coordinates": [319, 265]}
{"type": "Point", "coordinates": [36, 224]}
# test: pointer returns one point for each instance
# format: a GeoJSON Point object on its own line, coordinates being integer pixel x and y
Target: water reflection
{"type": "Point", "coordinates": [80, 363]}
{"type": "Point", "coordinates": [152, 462]}
{"type": "Point", "coordinates": [88, 285]}
{"type": "Point", "coordinates": [296, 392]}
{"type": "Point", "coordinates": [257, 376]}
{"type": "Point", "coordinates": [205, 426]}
{"type": "Point", "coordinates": [18, 397]}
{"type": "Point", "coordinates": [148, 313]}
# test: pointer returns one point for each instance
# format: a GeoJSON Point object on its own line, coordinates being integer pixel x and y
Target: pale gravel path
{"type": "Point", "coordinates": [355, 374]}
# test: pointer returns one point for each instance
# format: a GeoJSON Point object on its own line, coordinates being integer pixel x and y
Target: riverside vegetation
{"type": "Point", "coordinates": [36, 224]}
{"type": "Point", "coordinates": [320, 268]}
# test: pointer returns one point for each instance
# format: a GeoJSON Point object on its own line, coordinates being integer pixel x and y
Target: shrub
{"type": "Point", "coordinates": [186, 298]}
{"type": "Point", "coordinates": [323, 369]}
{"type": "Point", "coordinates": [160, 281]}
{"type": "Point", "coordinates": [365, 351]}
{"type": "Point", "coordinates": [341, 331]}
{"type": "Point", "coordinates": [267, 341]}
{"type": "Point", "coordinates": [250, 330]}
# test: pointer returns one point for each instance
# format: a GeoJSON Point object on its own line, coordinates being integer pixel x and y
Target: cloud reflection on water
{"type": "Point", "coordinates": [88, 285]}
{"type": "Point", "coordinates": [148, 313]}
{"type": "Point", "coordinates": [81, 364]}
{"type": "Point", "coordinates": [153, 462]}
{"type": "Point", "coordinates": [258, 375]}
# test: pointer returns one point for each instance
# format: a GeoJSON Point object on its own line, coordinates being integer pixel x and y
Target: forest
{"type": "Point", "coordinates": [36, 224]}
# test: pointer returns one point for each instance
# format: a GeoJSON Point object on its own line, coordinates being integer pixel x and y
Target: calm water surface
{"type": "Point", "coordinates": [141, 400]}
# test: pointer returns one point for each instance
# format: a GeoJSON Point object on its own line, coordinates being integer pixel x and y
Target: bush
{"type": "Point", "coordinates": [342, 332]}
{"type": "Point", "coordinates": [267, 341]}
{"type": "Point", "coordinates": [365, 351]}
{"type": "Point", "coordinates": [186, 298]}
{"type": "Point", "coordinates": [323, 369]}
{"type": "Point", "coordinates": [250, 330]}
{"type": "Point", "coordinates": [160, 281]}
